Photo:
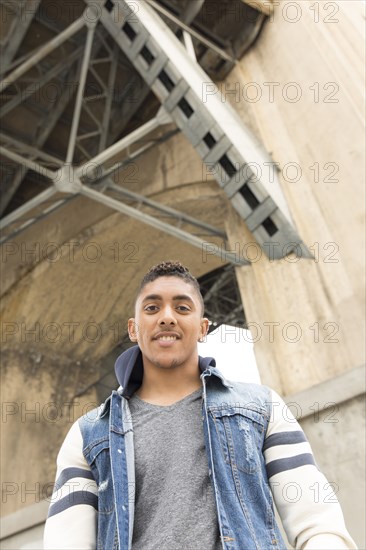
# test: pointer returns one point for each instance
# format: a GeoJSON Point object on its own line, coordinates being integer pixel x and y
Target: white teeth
{"type": "Point", "coordinates": [167, 338]}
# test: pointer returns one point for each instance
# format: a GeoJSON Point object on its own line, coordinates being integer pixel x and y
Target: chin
{"type": "Point", "coordinates": [166, 362]}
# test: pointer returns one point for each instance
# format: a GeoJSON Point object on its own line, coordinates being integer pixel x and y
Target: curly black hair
{"type": "Point", "coordinates": [172, 268]}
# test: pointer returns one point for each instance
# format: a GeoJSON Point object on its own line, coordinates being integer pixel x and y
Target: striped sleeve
{"type": "Point", "coordinates": [72, 516]}
{"type": "Point", "coordinates": [310, 512]}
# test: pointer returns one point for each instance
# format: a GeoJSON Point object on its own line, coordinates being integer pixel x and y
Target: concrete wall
{"type": "Point", "coordinates": [23, 530]}
{"type": "Point", "coordinates": [42, 394]}
{"type": "Point", "coordinates": [332, 415]}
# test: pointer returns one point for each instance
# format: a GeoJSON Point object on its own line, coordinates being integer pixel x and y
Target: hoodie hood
{"type": "Point", "coordinates": [129, 369]}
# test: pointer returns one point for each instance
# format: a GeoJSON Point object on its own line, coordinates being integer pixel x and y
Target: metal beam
{"type": "Point", "coordinates": [133, 156]}
{"type": "Point", "coordinates": [36, 217]}
{"type": "Point", "coordinates": [29, 163]}
{"type": "Point", "coordinates": [18, 31]}
{"type": "Point", "coordinates": [80, 93]}
{"type": "Point", "coordinates": [106, 155]}
{"type": "Point", "coordinates": [126, 141]}
{"type": "Point", "coordinates": [27, 207]}
{"type": "Point", "coordinates": [216, 285]}
{"type": "Point", "coordinates": [170, 212]}
{"type": "Point", "coordinates": [88, 110]}
{"type": "Point", "coordinates": [42, 52]}
{"type": "Point", "coordinates": [213, 127]}
{"type": "Point", "coordinates": [134, 213]}
{"type": "Point", "coordinates": [109, 97]}
{"type": "Point", "coordinates": [192, 10]}
{"type": "Point", "coordinates": [37, 84]}
{"type": "Point", "coordinates": [49, 124]}
{"type": "Point", "coordinates": [188, 43]}
{"type": "Point", "coordinates": [158, 224]}
{"type": "Point", "coordinates": [27, 149]}
{"type": "Point", "coordinates": [179, 216]}
{"type": "Point", "coordinates": [192, 32]}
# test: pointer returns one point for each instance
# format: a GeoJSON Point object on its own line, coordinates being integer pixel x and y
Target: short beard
{"type": "Point", "coordinates": [173, 365]}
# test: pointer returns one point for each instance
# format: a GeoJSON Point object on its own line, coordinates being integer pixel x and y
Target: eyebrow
{"type": "Point", "coordinates": [158, 297]}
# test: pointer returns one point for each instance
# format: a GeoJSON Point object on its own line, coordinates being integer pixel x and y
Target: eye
{"type": "Point", "coordinates": [183, 308]}
{"type": "Point", "coordinates": [150, 308]}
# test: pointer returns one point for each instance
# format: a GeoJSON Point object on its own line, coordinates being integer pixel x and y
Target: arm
{"type": "Point", "coordinates": [311, 517]}
{"type": "Point", "coordinates": [72, 516]}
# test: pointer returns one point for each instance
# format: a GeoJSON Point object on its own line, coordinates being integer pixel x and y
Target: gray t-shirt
{"type": "Point", "coordinates": [174, 502]}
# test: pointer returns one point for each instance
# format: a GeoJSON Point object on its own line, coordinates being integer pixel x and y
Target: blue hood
{"type": "Point", "coordinates": [129, 369]}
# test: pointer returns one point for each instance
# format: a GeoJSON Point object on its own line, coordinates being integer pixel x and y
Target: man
{"type": "Point", "coordinates": [180, 458]}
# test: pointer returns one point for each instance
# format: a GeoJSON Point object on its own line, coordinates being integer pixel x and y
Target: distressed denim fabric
{"type": "Point", "coordinates": [235, 418]}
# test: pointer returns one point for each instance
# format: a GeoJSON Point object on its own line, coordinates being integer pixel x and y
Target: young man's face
{"type": "Point", "coordinates": [168, 323]}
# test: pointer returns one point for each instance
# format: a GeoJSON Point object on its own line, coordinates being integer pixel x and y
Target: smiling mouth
{"type": "Point", "coordinates": [167, 338]}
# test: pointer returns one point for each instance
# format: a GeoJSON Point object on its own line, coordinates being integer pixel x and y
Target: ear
{"type": "Point", "coordinates": [132, 329]}
{"type": "Point", "coordinates": [203, 329]}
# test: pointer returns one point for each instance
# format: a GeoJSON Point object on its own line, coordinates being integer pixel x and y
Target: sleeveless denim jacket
{"type": "Point", "coordinates": [235, 418]}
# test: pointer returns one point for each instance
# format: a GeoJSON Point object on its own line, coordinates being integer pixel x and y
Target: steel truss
{"type": "Point", "coordinates": [215, 131]}
{"type": "Point", "coordinates": [68, 180]}
{"type": "Point", "coordinates": [213, 127]}
{"type": "Point", "coordinates": [89, 141]}
{"type": "Point", "coordinates": [222, 299]}
{"type": "Point", "coordinates": [25, 11]}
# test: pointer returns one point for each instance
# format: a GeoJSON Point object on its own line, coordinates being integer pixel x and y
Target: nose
{"type": "Point", "coordinates": [167, 317]}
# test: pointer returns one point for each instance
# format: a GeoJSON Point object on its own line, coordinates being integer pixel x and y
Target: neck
{"type": "Point", "coordinates": [164, 386]}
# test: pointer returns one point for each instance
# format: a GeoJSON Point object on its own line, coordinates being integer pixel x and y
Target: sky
{"type": "Point", "coordinates": [233, 350]}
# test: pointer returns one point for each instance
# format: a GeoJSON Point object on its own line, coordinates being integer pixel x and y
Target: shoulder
{"type": "Point", "coordinates": [95, 422]}
{"type": "Point", "coordinates": [252, 393]}
{"type": "Point", "coordinates": [240, 396]}
{"type": "Point", "coordinates": [252, 388]}
{"type": "Point", "coordinates": [94, 425]}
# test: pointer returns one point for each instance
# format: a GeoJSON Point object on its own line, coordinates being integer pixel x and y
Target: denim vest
{"type": "Point", "coordinates": [235, 418]}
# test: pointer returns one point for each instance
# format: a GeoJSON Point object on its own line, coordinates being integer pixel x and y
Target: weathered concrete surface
{"type": "Point", "coordinates": [337, 437]}
{"type": "Point", "coordinates": [43, 391]}
{"type": "Point", "coordinates": [304, 331]}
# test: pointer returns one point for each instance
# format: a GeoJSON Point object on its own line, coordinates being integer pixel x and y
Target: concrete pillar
{"type": "Point", "coordinates": [300, 91]}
